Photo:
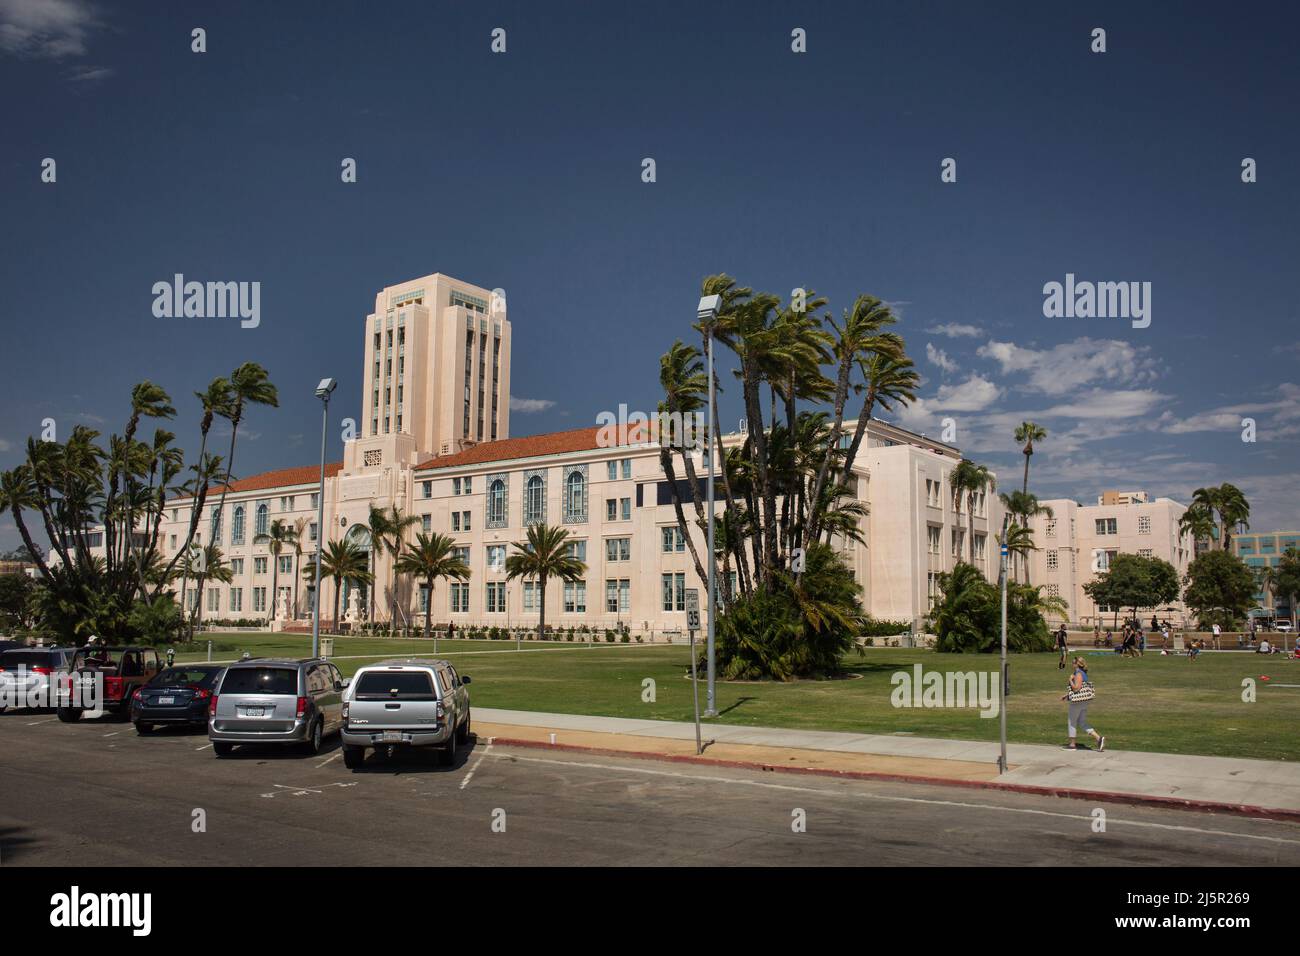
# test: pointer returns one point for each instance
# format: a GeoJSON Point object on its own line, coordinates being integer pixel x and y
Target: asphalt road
{"type": "Point", "coordinates": [96, 794]}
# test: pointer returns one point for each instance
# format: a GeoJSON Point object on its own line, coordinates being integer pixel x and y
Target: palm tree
{"type": "Point", "coordinates": [1228, 503]}
{"type": "Point", "coordinates": [1019, 541]}
{"type": "Point", "coordinates": [1198, 523]}
{"type": "Point", "coordinates": [18, 493]}
{"type": "Point", "coordinates": [1026, 434]}
{"type": "Point", "coordinates": [213, 567]}
{"type": "Point", "coordinates": [393, 543]}
{"type": "Point", "coordinates": [543, 556]}
{"type": "Point", "coordinates": [340, 561]}
{"type": "Point", "coordinates": [249, 385]}
{"type": "Point", "coordinates": [299, 527]}
{"type": "Point", "coordinates": [431, 557]}
{"type": "Point", "coordinates": [1025, 507]}
{"type": "Point", "coordinates": [278, 536]}
{"type": "Point", "coordinates": [215, 400]}
{"type": "Point", "coordinates": [968, 479]}
{"type": "Point", "coordinates": [377, 528]}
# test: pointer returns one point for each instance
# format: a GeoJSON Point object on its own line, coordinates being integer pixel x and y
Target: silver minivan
{"type": "Point", "coordinates": [400, 704]}
{"type": "Point", "coordinates": [266, 701]}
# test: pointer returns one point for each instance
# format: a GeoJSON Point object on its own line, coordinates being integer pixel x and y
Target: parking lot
{"type": "Point", "coordinates": [96, 794]}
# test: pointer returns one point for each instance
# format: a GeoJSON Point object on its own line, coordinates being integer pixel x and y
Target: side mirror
{"type": "Point", "coordinates": [464, 679]}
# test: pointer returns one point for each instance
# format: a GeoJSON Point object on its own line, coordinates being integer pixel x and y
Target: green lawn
{"type": "Point", "coordinates": [1166, 704]}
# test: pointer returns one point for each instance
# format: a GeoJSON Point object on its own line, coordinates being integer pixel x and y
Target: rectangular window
{"type": "Point", "coordinates": [672, 539]}
{"type": "Point", "coordinates": [1144, 552]}
{"type": "Point", "coordinates": [627, 467]}
{"type": "Point", "coordinates": [933, 532]}
{"type": "Point", "coordinates": [466, 486]}
{"type": "Point", "coordinates": [1051, 559]}
{"type": "Point", "coordinates": [496, 597]}
{"type": "Point", "coordinates": [618, 549]}
{"type": "Point", "coordinates": [455, 521]}
{"type": "Point", "coordinates": [236, 566]}
{"type": "Point", "coordinates": [286, 564]}
{"type": "Point", "coordinates": [459, 598]}
{"type": "Point", "coordinates": [315, 499]}
{"type": "Point", "coordinates": [496, 557]}
{"type": "Point", "coordinates": [1050, 528]}
{"type": "Point", "coordinates": [530, 595]}
{"type": "Point", "coordinates": [1144, 524]}
{"type": "Point", "coordinates": [426, 523]}
{"type": "Point", "coordinates": [424, 599]}
{"type": "Point", "coordinates": [311, 535]}
{"type": "Point", "coordinates": [214, 600]}
{"type": "Point", "coordinates": [611, 509]}
{"type": "Point", "coordinates": [979, 546]}
{"type": "Point", "coordinates": [932, 588]}
{"type": "Point", "coordinates": [259, 600]}
{"type": "Point", "coordinates": [577, 550]}
{"type": "Point", "coordinates": [237, 599]}
{"type": "Point", "coordinates": [464, 521]}
{"type": "Point", "coordinates": [958, 542]}
{"type": "Point", "coordinates": [611, 470]}
{"type": "Point", "coordinates": [674, 592]}
{"type": "Point", "coordinates": [625, 507]}
{"type": "Point", "coordinates": [455, 486]}
{"type": "Point", "coordinates": [461, 552]}
{"type": "Point", "coordinates": [575, 597]}
{"type": "Point", "coordinates": [1107, 526]}
{"type": "Point", "coordinates": [426, 489]}
{"type": "Point", "coordinates": [618, 595]}
{"type": "Point", "coordinates": [259, 565]}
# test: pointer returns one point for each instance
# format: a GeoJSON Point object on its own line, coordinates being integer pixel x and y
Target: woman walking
{"type": "Point", "coordinates": [1079, 695]}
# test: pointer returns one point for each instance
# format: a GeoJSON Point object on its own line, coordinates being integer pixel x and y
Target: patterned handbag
{"type": "Point", "coordinates": [1086, 692]}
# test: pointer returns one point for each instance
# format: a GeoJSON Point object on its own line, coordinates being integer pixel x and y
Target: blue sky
{"type": "Point", "coordinates": [523, 171]}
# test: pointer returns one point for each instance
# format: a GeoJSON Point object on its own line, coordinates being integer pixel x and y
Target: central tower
{"type": "Point", "coordinates": [436, 375]}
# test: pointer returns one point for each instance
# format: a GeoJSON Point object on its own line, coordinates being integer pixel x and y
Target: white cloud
{"type": "Point", "coordinates": [527, 405]}
{"type": "Point", "coordinates": [1065, 368]}
{"type": "Point", "coordinates": [90, 74]}
{"type": "Point", "coordinates": [50, 29]}
{"type": "Point", "coordinates": [1284, 413]}
{"type": "Point", "coordinates": [955, 330]}
{"type": "Point", "coordinates": [940, 358]}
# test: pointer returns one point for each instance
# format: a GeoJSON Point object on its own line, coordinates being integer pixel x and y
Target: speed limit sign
{"type": "Point", "coordinates": [692, 609]}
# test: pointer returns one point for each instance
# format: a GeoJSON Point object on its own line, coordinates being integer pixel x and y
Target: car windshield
{"type": "Point", "coordinates": [99, 659]}
{"type": "Point", "coordinates": [395, 685]}
{"type": "Point", "coordinates": [261, 680]}
{"type": "Point", "coordinates": [186, 677]}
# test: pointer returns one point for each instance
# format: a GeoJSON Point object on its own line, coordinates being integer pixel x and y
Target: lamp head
{"type": "Point", "coordinates": [326, 386]}
{"type": "Point", "coordinates": [709, 307]}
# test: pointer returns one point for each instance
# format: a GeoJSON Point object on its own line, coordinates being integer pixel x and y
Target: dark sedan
{"type": "Point", "coordinates": [178, 695]}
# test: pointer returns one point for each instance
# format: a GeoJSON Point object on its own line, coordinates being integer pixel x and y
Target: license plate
{"type": "Point", "coordinates": [254, 711]}
{"type": "Point", "coordinates": [392, 737]}
{"type": "Point", "coordinates": [166, 700]}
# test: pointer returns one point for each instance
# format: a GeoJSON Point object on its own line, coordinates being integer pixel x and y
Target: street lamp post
{"type": "Point", "coordinates": [707, 313]}
{"type": "Point", "coordinates": [1002, 677]}
{"type": "Point", "coordinates": [323, 392]}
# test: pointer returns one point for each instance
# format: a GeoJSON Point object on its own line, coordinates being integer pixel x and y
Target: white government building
{"type": "Point", "coordinates": [435, 442]}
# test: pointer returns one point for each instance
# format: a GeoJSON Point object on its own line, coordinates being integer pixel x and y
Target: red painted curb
{"type": "Point", "coordinates": [1071, 793]}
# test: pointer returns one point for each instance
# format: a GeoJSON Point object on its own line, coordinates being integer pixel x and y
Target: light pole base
{"type": "Point", "coordinates": [709, 713]}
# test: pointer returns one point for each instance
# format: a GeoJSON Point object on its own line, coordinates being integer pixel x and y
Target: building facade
{"type": "Point", "coordinates": [1078, 542]}
{"type": "Point", "coordinates": [1264, 549]}
{"type": "Point", "coordinates": [434, 442]}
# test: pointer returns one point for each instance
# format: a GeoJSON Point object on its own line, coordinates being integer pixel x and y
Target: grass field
{"type": "Point", "coordinates": [1166, 704]}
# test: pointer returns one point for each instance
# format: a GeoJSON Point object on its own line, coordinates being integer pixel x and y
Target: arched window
{"type": "Point", "coordinates": [262, 513]}
{"type": "Point", "coordinates": [575, 497]}
{"type": "Point", "coordinates": [496, 502]}
{"type": "Point", "coordinates": [535, 500]}
{"type": "Point", "coordinates": [216, 524]}
{"type": "Point", "coordinates": [237, 525]}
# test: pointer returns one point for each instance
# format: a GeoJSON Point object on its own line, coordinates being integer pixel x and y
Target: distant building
{"type": "Point", "coordinates": [1079, 541]}
{"type": "Point", "coordinates": [1263, 549]}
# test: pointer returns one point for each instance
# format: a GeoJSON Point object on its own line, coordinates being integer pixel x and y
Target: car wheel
{"type": "Point", "coordinates": [447, 756]}
{"type": "Point", "coordinates": [353, 757]}
{"type": "Point", "coordinates": [222, 748]}
{"type": "Point", "coordinates": [464, 729]}
{"type": "Point", "coordinates": [69, 715]}
{"type": "Point", "coordinates": [314, 739]}
{"type": "Point", "coordinates": [143, 729]}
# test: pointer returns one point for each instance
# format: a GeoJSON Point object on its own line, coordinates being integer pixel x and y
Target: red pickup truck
{"type": "Point", "coordinates": [121, 670]}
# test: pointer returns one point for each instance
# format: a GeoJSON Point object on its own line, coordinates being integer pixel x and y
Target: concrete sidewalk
{"type": "Point", "coordinates": [1230, 784]}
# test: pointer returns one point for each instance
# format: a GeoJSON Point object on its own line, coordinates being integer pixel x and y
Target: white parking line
{"type": "Point", "coordinates": [332, 757]}
{"type": "Point", "coordinates": [709, 778]}
{"type": "Point", "coordinates": [113, 734]}
{"type": "Point", "coordinates": [470, 776]}
{"type": "Point", "coordinates": [45, 721]}
{"type": "Point", "coordinates": [204, 747]}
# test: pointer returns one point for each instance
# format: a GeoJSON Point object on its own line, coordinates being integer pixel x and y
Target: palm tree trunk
{"type": "Point", "coordinates": [275, 587]}
{"type": "Point", "coordinates": [541, 618]}
{"type": "Point", "coordinates": [428, 608]}
{"type": "Point", "coordinates": [338, 595]}
{"type": "Point", "coordinates": [1028, 452]}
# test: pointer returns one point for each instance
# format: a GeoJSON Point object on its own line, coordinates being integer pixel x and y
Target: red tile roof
{"type": "Point", "coordinates": [532, 446]}
{"type": "Point", "coordinates": [280, 478]}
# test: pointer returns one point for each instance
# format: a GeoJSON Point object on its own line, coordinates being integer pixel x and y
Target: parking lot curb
{"type": "Point", "coordinates": [1068, 793]}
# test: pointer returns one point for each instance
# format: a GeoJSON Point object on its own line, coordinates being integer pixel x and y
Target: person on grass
{"type": "Point", "coordinates": [1061, 647]}
{"type": "Point", "coordinates": [1080, 688]}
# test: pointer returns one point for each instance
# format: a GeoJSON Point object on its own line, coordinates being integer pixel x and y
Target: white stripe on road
{"type": "Point", "coordinates": [469, 776]}
{"type": "Point", "coordinates": [875, 796]}
{"type": "Point", "coordinates": [113, 734]}
{"type": "Point", "coordinates": [204, 747]}
{"type": "Point", "coordinates": [332, 757]}
{"type": "Point", "coordinates": [45, 721]}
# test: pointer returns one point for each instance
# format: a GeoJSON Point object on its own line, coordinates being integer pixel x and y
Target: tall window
{"type": "Point", "coordinates": [263, 516]}
{"type": "Point", "coordinates": [673, 539]}
{"type": "Point", "coordinates": [611, 470]}
{"type": "Point", "coordinates": [575, 597]}
{"type": "Point", "coordinates": [618, 549]}
{"type": "Point", "coordinates": [216, 524]}
{"type": "Point", "coordinates": [496, 504]}
{"type": "Point", "coordinates": [459, 598]}
{"type": "Point", "coordinates": [496, 597]}
{"type": "Point", "coordinates": [237, 525]}
{"type": "Point", "coordinates": [575, 497]}
{"type": "Point", "coordinates": [674, 592]}
{"type": "Point", "coordinates": [577, 550]}
{"type": "Point", "coordinates": [534, 500]}
{"type": "Point", "coordinates": [618, 595]}
{"type": "Point", "coordinates": [496, 557]}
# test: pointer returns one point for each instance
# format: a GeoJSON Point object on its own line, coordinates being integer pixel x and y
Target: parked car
{"type": "Point", "coordinates": [177, 695]}
{"type": "Point", "coordinates": [1284, 626]}
{"type": "Point", "coordinates": [8, 645]}
{"type": "Point", "coordinates": [26, 673]}
{"type": "Point", "coordinates": [123, 670]}
{"type": "Point", "coordinates": [403, 704]}
{"type": "Point", "coordinates": [263, 701]}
